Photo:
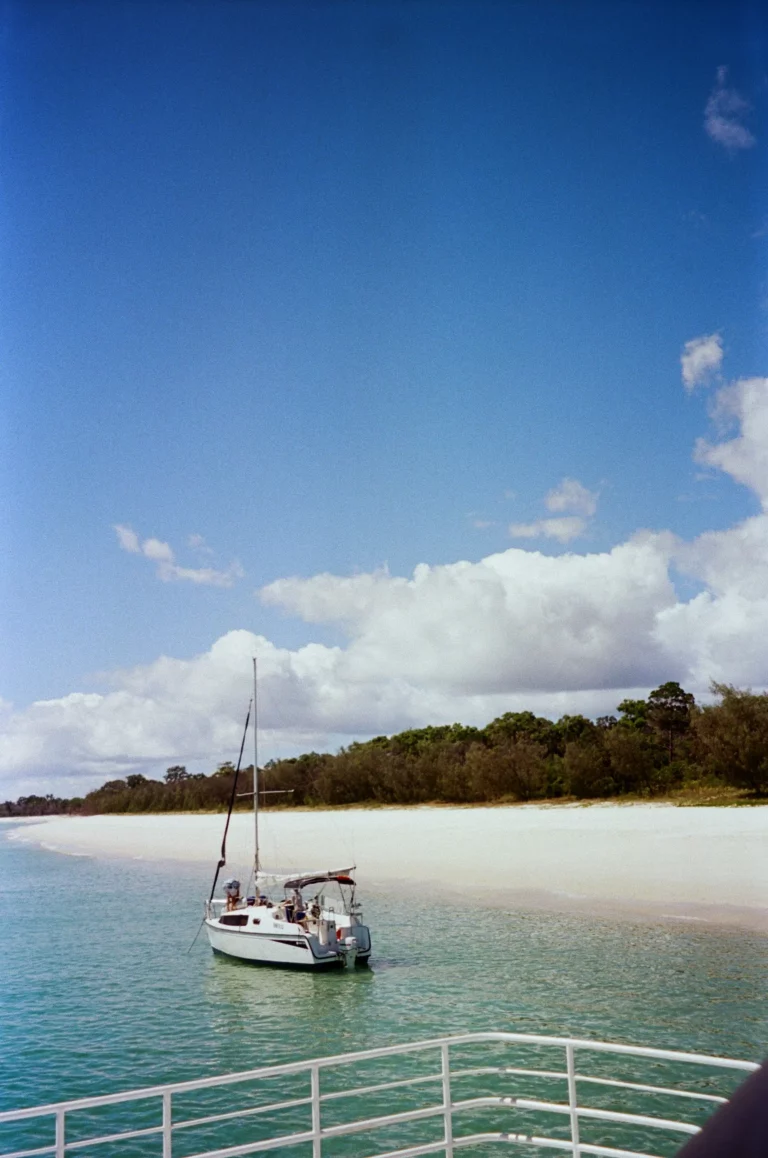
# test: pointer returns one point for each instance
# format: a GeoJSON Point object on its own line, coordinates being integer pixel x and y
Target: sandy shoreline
{"type": "Point", "coordinates": [708, 865]}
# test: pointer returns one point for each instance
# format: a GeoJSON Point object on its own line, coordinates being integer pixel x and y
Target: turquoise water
{"type": "Point", "coordinates": [100, 994]}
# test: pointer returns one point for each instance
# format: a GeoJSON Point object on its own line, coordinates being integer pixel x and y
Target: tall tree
{"type": "Point", "coordinates": [176, 774]}
{"type": "Point", "coordinates": [669, 713]}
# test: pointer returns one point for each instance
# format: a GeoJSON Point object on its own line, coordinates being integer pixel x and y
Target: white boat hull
{"type": "Point", "coordinates": [290, 949]}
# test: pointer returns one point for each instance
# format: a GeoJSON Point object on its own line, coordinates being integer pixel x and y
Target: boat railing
{"type": "Point", "coordinates": [571, 1095]}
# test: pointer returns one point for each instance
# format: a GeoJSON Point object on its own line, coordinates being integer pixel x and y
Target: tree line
{"type": "Point", "coordinates": [653, 746]}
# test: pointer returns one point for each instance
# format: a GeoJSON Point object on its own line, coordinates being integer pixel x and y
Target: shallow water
{"type": "Point", "coordinates": [99, 992]}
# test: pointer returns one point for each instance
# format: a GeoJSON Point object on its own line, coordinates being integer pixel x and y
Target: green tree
{"type": "Point", "coordinates": [634, 714]}
{"type": "Point", "coordinates": [523, 725]}
{"type": "Point", "coordinates": [514, 768]}
{"type": "Point", "coordinates": [112, 786]}
{"type": "Point", "coordinates": [588, 769]}
{"type": "Point", "coordinates": [573, 728]}
{"type": "Point", "coordinates": [669, 713]}
{"type": "Point", "coordinates": [528, 770]}
{"type": "Point", "coordinates": [732, 737]}
{"type": "Point", "coordinates": [631, 754]}
{"type": "Point", "coordinates": [176, 774]}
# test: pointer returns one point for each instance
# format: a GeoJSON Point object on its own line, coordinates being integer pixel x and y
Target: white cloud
{"type": "Point", "coordinates": [127, 539]}
{"type": "Point", "coordinates": [724, 113]}
{"type": "Point", "coordinates": [197, 543]}
{"type": "Point", "coordinates": [517, 621]}
{"type": "Point", "coordinates": [745, 457]}
{"type": "Point", "coordinates": [460, 641]}
{"type": "Point", "coordinates": [157, 551]}
{"type": "Point", "coordinates": [719, 634]}
{"type": "Point", "coordinates": [701, 359]}
{"type": "Point", "coordinates": [168, 569]}
{"type": "Point", "coordinates": [571, 495]}
{"type": "Point", "coordinates": [564, 530]}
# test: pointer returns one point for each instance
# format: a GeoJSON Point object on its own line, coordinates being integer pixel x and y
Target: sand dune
{"type": "Point", "coordinates": [681, 863]}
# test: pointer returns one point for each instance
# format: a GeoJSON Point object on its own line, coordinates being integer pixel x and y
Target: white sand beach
{"type": "Point", "coordinates": [704, 864]}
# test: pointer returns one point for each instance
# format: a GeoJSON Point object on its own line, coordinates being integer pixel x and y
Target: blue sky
{"type": "Point", "coordinates": [305, 290]}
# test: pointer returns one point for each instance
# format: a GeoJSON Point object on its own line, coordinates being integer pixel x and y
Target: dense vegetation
{"type": "Point", "coordinates": [652, 747]}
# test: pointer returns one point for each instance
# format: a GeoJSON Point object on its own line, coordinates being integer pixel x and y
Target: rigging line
{"type": "Point", "coordinates": [223, 857]}
{"type": "Point", "coordinates": [197, 934]}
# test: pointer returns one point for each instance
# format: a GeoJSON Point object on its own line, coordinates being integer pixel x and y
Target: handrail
{"type": "Point", "coordinates": [447, 1106]}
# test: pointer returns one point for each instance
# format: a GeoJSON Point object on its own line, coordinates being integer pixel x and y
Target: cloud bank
{"type": "Point", "coordinates": [464, 641]}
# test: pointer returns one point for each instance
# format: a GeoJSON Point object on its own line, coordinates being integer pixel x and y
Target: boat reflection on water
{"type": "Point", "coordinates": [267, 1008]}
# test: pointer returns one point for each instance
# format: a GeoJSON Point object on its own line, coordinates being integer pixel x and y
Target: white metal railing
{"type": "Point", "coordinates": [446, 1110]}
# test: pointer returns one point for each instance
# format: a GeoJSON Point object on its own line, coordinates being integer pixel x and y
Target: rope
{"type": "Point", "coordinates": [197, 934]}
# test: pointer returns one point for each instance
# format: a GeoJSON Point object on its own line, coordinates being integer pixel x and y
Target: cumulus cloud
{"type": "Point", "coordinates": [564, 530]}
{"type": "Point", "coordinates": [166, 712]}
{"type": "Point", "coordinates": [571, 495]}
{"type": "Point", "coordinates": [517, 621]}
{"type": "Point", "coordinates": [701, 360]}
{"type": "Point", "coordinates": [460, 641]}
{"type": "Point", "coordinates": [168, 570]}
{"type": "Point", "coordinates": [719, 633]}
{"type": "Point", "coordinates": [724, 113]}
{"type": "Point", "coordinates": [744, 457]}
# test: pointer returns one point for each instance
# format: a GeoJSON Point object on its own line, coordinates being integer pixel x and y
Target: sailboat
{"type": "Point", "coordinates": [299, 920]}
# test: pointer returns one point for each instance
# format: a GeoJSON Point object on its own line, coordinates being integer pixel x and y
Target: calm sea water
{"type": "Point", "coordinates": [99, 992]}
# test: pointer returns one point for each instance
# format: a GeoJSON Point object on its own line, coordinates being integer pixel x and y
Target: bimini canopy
{"type": "Point", "coordinates": [296, 880]}
{"type": "Point", "coordinates": [342, 877]}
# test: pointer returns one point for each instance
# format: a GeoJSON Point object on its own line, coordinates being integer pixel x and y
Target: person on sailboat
{"type": "Point", "coordinates": [232, 891]}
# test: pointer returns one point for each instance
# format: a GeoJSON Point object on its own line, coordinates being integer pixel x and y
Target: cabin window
{"type": "Point", "coordinates": [255, 920]}
{"type": "Point", "coordinates": [233, 919]}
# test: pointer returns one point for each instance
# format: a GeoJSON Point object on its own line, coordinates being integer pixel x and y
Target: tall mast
{"type": "Point", "coordinates": [255, 777]}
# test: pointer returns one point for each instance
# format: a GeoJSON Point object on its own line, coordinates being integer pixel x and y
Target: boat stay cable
{"type": "Point", "coordinates": [223, 857]}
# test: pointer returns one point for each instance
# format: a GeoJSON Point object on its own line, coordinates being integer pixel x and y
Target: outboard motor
{"type": "Point", "coordinates": [349, 948]}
